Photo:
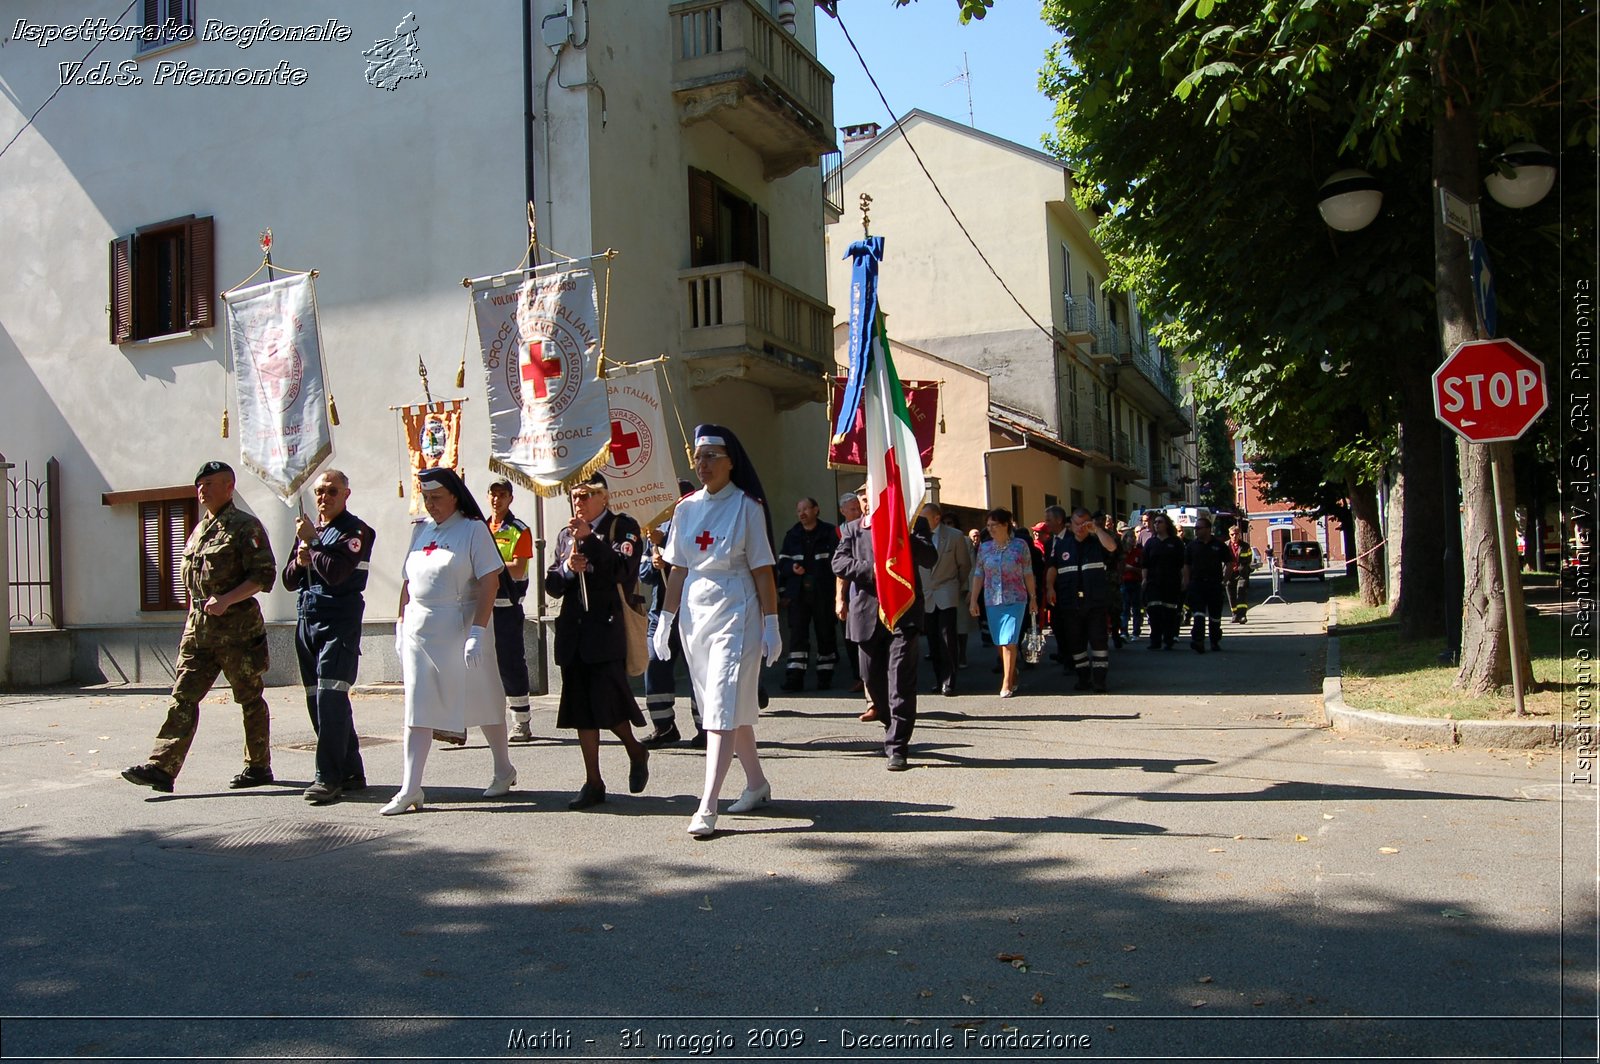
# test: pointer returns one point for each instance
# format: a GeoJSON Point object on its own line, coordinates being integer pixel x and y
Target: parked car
{"type": "Point", "coordinates": [1303, 557]}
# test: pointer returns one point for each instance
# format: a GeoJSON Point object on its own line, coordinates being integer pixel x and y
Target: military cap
{"type": "Point", "coordinates": [212, 468]}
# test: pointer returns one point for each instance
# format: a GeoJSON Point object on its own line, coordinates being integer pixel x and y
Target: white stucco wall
{"type": "Point", "coordinates": [394, 196]}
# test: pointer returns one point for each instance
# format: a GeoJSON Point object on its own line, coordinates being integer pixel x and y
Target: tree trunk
{"type": "Point", "coordinates": [1422, 600]}
{"type": "Point", "coordinates": [1485, 649]}
{"type": "Point", "coordinates": [1369, 557]}
{"type": "Point", "coordinates": [1394, 516]}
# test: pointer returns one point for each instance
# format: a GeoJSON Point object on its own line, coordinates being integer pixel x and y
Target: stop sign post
{"type": "Point", "coordinates": [1490, 392]}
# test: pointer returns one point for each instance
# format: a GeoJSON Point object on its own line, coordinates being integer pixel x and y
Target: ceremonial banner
{"type": "Point", "coordinates": [922, 402]}
{"type": "Point", "coordinates": [433, 440]}
{"type": "Point", "coordinates": [549, 420]}
{"type": "Point", "coordinates": [640, 476]}
{"type": "Point", "coordinates": [277, 372]}
{"type": "Point", "coordinates": [863, 320]}
{"type": "Point", "coordinates": [895, 484]}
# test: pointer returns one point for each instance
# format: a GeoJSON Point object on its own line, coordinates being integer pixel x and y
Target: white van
{"type": "Point", "coordinates": [1184, 515]}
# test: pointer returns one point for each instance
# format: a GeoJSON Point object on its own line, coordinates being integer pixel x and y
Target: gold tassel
{"type": "Point", "coordinates": [333, 410]}
{"type": "Point", "coordinates": [224, 422]}
{"type": "Point", "coordinates": [400, 488]}
{"type": "Point", "coordinates": [461, 374]}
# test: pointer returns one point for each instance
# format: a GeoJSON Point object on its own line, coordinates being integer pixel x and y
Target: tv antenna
{"type": "Point", "coordinates": [966, 76]}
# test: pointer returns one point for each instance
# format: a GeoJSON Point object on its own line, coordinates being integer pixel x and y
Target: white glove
{"type": "Point", "coordinates": [661, 638]}
{"type": "Point", "coordinates": [400, 638]}
{"type": "Point", "coordinates": [771, 641]}
{"type": "Point", "coordinates": [474, 651]}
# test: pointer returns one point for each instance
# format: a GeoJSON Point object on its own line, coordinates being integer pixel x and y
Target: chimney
{"type": "Point", "coordinates": [862, 133]}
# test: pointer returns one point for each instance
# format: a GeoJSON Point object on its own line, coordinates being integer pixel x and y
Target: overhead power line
{"type": "Point", "coordinates": [937, 190]}
{"type": "Point", "coordinates": [81, 65]}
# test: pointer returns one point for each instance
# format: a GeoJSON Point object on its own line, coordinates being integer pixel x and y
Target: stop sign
{"type": "Point", "coordinates": [1489, 391]}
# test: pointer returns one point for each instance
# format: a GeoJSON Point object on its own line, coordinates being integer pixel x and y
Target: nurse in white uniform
{"type": "Point", "coordinates": [722, 559]}
{"type": "Point", "coordinates": [446, 647]}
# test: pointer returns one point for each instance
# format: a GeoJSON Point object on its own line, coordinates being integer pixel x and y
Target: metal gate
{"type": "Point", "coordinates": [33, 508]}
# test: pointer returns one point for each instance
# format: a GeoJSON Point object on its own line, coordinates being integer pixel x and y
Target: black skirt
{"type": "Point", "coordinates": [597, 696]}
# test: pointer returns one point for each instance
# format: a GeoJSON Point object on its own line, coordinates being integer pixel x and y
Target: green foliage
{"type": "Point", "coordinates": [967, 9]}
{"type": "Point", "coordinates": [1215, 484]}
{"type": "Point", "coordinates": [1208, 128]}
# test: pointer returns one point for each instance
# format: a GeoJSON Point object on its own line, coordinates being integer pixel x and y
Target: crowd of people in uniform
{"type": "Point", "coordinates": [717, 579]}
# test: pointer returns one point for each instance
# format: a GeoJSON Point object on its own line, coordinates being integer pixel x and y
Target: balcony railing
{"type": "Point", "coordinates": [1113, 339]}
{"type": "Point", "coordinates": [1146, 356]}
{"type": "Point", "coordinates": [833, 185]}
{"type": "Point", "coordinates": [742, 323]}
{"type": "Point", "coordinates": [736, 66]}
{"type": "Point", "coordinates": [1081, 321]}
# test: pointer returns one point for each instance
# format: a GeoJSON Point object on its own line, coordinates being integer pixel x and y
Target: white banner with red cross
{"type": "Point", "coordinates": [639, 475]}
{"type": "Point", "coordinates": [549, 420]}
{"type": "Point", "coordinates": [277, 369]}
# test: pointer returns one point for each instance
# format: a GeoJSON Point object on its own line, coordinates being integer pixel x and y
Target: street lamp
{"type": "Point", "coordinates": [1533, 174]}
{"type": "Point", "coordinates": [1350, 200]}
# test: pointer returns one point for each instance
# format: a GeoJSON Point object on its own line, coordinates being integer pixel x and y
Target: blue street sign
{"type": "Point", "coordinates": [1483, 289]}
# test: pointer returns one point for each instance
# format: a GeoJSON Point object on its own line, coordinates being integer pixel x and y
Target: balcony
{"type": "Point", "coordinates": [1154, 384]}
{"type": "Point", "coordinates": [1081, 325]}
{"type": "Point", "coordinates": [1129, 458]}
{"type": "Point", "coordinates": [737, 67]}
{"type": "Point", "coordinates": [832, 187]}
{"type": "Point", "coordinates": [742, 324]}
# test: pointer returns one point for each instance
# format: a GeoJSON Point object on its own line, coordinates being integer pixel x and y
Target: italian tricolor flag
{"type": "Point", "coordinates": [895, 483]}
{"type": "Point", "coordinates": [894, 463]}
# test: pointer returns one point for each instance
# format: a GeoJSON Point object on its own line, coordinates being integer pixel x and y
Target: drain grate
{"type": "Point", "coordinates": [280, 840]}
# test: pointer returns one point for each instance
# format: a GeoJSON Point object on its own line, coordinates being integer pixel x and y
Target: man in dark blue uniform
{"type": "Point", "coordinates": [1205, 562]}
{"type": "Point", "coordinates": [329, 568]}
{"type": "Point", "coordinates": [806, 590]}
{"type": "Point", "coordinates": [515, 542]}
{"type": "Point", "coordinates": [1078, 592]}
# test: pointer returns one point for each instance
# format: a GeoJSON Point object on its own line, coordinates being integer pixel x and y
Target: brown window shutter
{"type": "Point", "coordinates": [702, 219]}
{"type": "Point", "coordinates": [152, 12]}
{"type": "Point", "coordinates": [122, 290]}
{"type": "Point", "coordinates": [202, 273]}
{"type": "Point", "coordinates": [180, 521]}
{"type": "Point", "coordinates": [764, 242]}
{"type": "Point", "coordinates": [150, 556]}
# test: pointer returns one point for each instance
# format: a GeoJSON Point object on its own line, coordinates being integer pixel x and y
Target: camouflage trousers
{"type": "Point", "coordinates": [244, 664]}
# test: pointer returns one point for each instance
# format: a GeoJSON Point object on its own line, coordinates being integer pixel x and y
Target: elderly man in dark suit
{"type": "Point", "coordinates": [888, 658]}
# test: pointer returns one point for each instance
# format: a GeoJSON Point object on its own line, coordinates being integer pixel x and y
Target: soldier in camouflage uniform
{"type": "Point", "coordinates": [226, 563]}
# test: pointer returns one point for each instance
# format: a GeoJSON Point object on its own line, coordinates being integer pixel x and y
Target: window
{"type": "Point", "coordinates": [1066, 280]}
{"type": "Point", "coordinates": [1016, 505]}
{"type": "Point", "coordinates": [1051, 500]}
{"type": "Point", "coordinates": [1076, 497]}
{"type": "Point", "coordinates": [724, 226]}
{"type": "Point", "coordinates": [166, 22]}
{"type": "Point", "coordinates": [163, 279]}
{"type": "Point", "coordinates": [164, 527]}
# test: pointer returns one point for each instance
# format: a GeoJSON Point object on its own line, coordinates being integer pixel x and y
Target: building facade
{"type": "Point", "coordinates": [1086, 407]}
{"type": "Point", "coordinates": [396, 150]}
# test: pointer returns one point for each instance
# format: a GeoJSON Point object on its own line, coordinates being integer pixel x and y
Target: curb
{"type": "Point", "coordinates": [1502, 735]}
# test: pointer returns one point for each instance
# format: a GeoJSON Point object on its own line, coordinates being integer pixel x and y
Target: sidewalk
{"type": "Point", "coordinates": [1189, 845]}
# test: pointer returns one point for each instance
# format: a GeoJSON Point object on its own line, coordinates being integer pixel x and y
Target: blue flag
{"type": "Point", "coordinates": [867, 254]}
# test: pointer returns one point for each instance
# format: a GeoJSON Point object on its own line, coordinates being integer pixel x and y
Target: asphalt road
{"type": "Point", "coordinates": [1185, 867]}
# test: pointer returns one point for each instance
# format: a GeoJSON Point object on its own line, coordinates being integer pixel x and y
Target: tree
{"type": "Point", "coordinates": [1210, 124]}
{"type": "Point", "coordinates": [1214, 487]}
{"type": "Point", "coordinates": [1213, 224]}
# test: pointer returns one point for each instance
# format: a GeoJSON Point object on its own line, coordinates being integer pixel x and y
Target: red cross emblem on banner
{"type": "Point", "coordinates": [623, 443]}
{"type": "Point", "coordinates": [538, 369]}
{"type": "Point", "coordinates": [705, 539]}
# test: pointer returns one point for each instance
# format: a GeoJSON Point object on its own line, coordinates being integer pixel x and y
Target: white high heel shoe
{"type": "Point", "coordinates": [752, 798]}
{"type": "Point", "coordinates": [403, 802]}
{"type": "Point", "coordinates": [501, 786]}
{"type": "Point", "coordinates": [704, 825]}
